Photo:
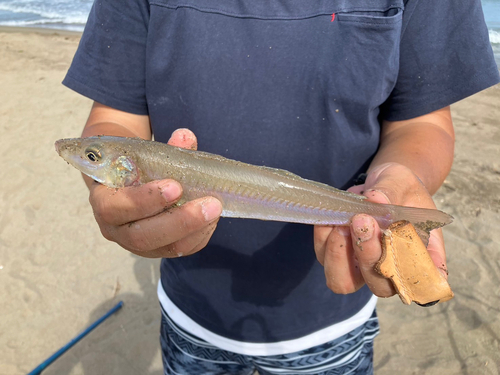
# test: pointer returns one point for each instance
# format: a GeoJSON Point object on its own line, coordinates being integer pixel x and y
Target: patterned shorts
{"type": "Point", "coordinates": [185, 354]}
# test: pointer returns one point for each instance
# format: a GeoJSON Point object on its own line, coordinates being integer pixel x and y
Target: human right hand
{"type": "Point", "coordinates": [142, 220]}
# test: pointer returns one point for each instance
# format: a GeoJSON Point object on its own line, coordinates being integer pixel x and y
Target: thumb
{"type": "Point", "coordinates": [184, 138]}
{"type": "Point", "coordinates": [392, 183]}
{"type": "Point", "coordinates": [376, 196]}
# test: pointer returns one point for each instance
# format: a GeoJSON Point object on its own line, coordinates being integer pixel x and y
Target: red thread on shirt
{"type": "Point", "coordinates": [333, 17]}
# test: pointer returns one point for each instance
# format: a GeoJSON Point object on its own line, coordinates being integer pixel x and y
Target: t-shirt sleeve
{"type": "Point", "coordinates": [109, 65]}
{"type": "Point", "coordinates": [445, 56]}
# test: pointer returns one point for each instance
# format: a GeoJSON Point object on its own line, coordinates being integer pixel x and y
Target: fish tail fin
{"type": "Point", "coordinates": [423, 219]}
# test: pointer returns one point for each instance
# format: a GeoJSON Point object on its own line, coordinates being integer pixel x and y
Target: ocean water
{"type": "Point", "coordinates": [55, 14]}
{"type": "Point", "coordinates": [491, 9]}
{"type": "Point", "coordinates": [72, 15]}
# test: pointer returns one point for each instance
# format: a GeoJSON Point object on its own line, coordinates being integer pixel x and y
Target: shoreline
{"type": "Point", "coordinates": [38, 30]}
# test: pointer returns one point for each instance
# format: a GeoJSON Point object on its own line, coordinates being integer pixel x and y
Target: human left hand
{"type": "Point", "coordinates": [349, 254]}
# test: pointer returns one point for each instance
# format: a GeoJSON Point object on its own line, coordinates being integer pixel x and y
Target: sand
{"type": "Point", "coordinates": [57, 274]}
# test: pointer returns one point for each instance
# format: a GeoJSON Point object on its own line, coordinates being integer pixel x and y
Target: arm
{"type": "Point", "coordinates": [413, 160]}
{"type": "Point", "coordinates": [425, 145]}
{"type": "Point", "coordinates": [132, 216]}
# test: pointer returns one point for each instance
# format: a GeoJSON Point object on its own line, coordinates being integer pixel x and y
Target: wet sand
{"type": "Point", "coordinates": [57, 274]}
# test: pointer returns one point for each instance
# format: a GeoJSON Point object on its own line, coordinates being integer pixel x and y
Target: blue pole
{"type": "Point", "coordinates": [42, 366]}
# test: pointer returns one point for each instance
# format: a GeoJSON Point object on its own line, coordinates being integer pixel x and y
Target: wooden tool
{"type": "Point", "coordinates": [407, 263]}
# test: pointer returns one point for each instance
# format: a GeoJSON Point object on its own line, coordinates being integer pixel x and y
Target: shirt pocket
{"type": "Point", "coordinates": [362, 36]}
{"type": "Point", "coordinates": [370, 37]}
{"type": "Point", "coordinates": [366, 11]}
{"type": "Point", "coordinates": [337, 59]}
{"type": "Point", "coordinates": [390, 14]}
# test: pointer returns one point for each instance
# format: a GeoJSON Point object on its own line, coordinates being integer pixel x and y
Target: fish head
{"type": "Point", "coordinates": [102, 158]}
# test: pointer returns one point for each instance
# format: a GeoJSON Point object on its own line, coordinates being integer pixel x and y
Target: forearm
{"type": "Point", "coordinates": [424, 144]}
{"type": "Point", "coordinates": [106, 120]}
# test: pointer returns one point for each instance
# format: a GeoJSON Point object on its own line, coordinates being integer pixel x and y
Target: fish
{"type": "Point", "coordinates": [245, 190]}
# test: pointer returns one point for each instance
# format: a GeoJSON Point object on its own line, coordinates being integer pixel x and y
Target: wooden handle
{"type": "Point", "coordinates": [407, 263]}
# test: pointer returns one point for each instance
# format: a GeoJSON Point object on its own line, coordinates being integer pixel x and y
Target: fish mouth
{"type": "Point", "coordinates": [68, 150]}
{"type": "Point", "coordinates": [58, 144]}
{"type": "Point", "coordinates": [66, 143]}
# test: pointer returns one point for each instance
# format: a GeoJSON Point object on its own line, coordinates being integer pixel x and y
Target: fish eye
{"type": "Point", "coordinates": [93, 154]}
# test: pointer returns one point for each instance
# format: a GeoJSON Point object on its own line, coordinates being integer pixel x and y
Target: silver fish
{"type": "Point", "coordinates": [245, 190]}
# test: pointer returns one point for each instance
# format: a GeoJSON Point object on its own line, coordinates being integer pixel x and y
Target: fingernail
{"type": "Point", "coordinates": [171, 191]}
{"type": "Point", "coordinates": [184, 132]}
{"type": "Point", "coordinates": [186, 138]}
{"type": "Point", "coordinates": [363, 227]}
{"type": "Point", "coordinates": [211, 209]}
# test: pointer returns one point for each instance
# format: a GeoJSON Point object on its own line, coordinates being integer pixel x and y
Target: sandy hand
{"type": "Point", "coordinates": [142, 220]}
{"type": "Point", "coordinates": [349, 254]}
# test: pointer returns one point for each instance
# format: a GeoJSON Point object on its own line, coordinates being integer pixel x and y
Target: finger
{"type": "Point", "coordinates": [366, 235]}
{"type": "Point", "coordinates": [372, 194]}
{"type": "Point", "coordinates": [373, 177]}
{"type": "Point", "coordinates": [184, 138]}
{"type": "Point", "coordinates": [376, 196]}
{"type": "Point", "coordinates": [120, 206]}
{"type": "Point", "coordinates": [186, 246]}
{"type": "Point", "coordinates": [342, 271]}
{"type": "Point", "coordinates": [357, 189]}
{"type": "Point", "coordinates": [194, 243]}
{"type": "Point", "coordinates": [400, 185]}
{"type": "Point", "coordinates": [321, 234]}
{"type": "Point", "coordinates": [168, 227]}
{"type": "Point", "coordinates": [437, 251]}
{"type": "Point", "coordinates": [389, 180]}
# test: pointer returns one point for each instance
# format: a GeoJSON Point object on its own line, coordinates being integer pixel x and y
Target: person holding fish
{"type": "Point", "coordinates": [326, 90]}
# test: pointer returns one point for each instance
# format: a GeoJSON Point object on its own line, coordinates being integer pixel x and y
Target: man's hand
{"type": "Point", "coordinates": [349, 254]}
{"type": "Point", "coordinates": [142, 220]}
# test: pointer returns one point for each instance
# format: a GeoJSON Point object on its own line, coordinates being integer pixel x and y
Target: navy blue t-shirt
{"type": "Point", "coordinates": [298, 85]}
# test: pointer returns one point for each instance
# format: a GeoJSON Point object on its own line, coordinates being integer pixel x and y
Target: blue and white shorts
{"type": "Point", "coordinates": [185, 354]}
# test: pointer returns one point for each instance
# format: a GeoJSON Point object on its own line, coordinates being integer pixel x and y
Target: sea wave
{"type": "Point", "coordinates": [44, 12]}
{"type": "Point", "coordinates": [494, 36]}
{"type": "Point", "coordinates": [46, 20]}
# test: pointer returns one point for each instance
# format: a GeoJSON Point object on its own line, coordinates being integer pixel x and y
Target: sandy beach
{"type": "Point", "coordinates": [57, 274]}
